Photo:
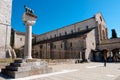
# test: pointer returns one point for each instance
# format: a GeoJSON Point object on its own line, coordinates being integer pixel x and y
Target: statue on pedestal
{"type": "Point", "coordinates": [28, 10]}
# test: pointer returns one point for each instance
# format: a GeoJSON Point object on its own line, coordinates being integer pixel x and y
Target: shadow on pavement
{"type": "Point", "coordinates": [4, 77]}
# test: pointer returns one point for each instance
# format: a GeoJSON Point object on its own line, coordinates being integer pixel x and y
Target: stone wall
{"type": "Point", "coordinates": [61, 49]}
{"type": "Point", "coordinates": [19, 40]}
{"type": "Point", "coordinates": [90, 44]}
{"type": "Point", "coordinates": [101, 30]}
{"type": "Point", "coordinates": [95, 22]}
{"type": "Point", "coordinates": [5, 26]}
{"type": "Point", "coordinates": [110, 44]}
{"type": "Point", "coordinates": [70, 29]}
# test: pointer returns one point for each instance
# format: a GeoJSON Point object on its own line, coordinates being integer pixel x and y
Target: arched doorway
{"type": "Point", "coordinates": [93, 55]}
{"type": "Point", "coordinates": [115, 55]}
{"type": "Point", "coordinates": [104, 54]}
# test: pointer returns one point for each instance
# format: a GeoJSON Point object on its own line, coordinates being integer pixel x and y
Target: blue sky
{"type": "Point", "coordinates": [54, 14]}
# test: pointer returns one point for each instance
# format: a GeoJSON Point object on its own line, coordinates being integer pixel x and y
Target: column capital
{"type": "Point", "coordinates": [29, 23]}
{"type": "Point", "coordinates": [29, 19]}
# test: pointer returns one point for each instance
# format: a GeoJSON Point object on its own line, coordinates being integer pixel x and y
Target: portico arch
{"type": "Point", "coordinates": [104, 54]}
{"type": "Point", "coordinates": [115, 54]}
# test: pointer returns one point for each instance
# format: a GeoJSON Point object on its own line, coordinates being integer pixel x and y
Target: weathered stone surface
{"type": "Point", "coordinates": [5, 26]}
{"type": "Point", "coordinates": [23, 68]}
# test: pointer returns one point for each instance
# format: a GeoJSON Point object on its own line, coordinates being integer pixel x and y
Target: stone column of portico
{"type": "Point", "coordinates": [29, 20]}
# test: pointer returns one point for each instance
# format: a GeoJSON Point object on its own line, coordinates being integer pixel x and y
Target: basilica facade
{"type": "Point", "coordinates": [76, 41]}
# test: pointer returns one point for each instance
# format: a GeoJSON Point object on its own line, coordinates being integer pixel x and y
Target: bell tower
{"type": "Point", "coordinates": [5, 26]}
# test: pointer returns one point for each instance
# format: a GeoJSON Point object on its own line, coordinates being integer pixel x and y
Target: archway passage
{"type": "Point", "coordinates": [104, 53]}
{"type": "Point", "coordinates": [94, 55]}
{"type": "Point", "coordinates": [116, 55]}
{"type": "Point", "coordinates": [113, 48]}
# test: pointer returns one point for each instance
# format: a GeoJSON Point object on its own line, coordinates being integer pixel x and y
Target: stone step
{"type": "Point", "coordinates": [15, 64]}
{"type": "Point", "coordinates": [22, 68]}
{"type": "Point", "coordinates": [12, 68]}
{"type": "Point", "coordinates": [16, 74]}
{"type": "Point", "coordinates": [19, 61]}
{"type": "Point", "coordinates": [8, 73]}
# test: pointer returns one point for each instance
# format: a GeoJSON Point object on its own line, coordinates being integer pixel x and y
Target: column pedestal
{"type": "Point", "coordinates": [23, 68]}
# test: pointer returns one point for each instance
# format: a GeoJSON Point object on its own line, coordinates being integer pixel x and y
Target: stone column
{"type": "Point", "coordinates": [29, 20]}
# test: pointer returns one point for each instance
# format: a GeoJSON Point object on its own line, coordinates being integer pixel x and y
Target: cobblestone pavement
{"type": "Point", "coordinates": [84, 71]}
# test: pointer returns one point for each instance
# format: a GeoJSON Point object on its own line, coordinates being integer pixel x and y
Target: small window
{"type": "Point", "coordinates": [61, 45]}
{"type": "Point", "coordinates": [78, 29]}
{"type": "Point", "coordinates": [41, 46]}
{"type": "Point", "coordinates": [59, 34]}
{"type": "Point", "coordinates": [39, 39]}
{"type": "Point", "coordinates": [55, 35]}
{"type": "Point", "coordinates": [70, 44]}
{"type": "Point", "coordinates": [20, 39]}
{"type": "Point", "coordinates": [54, 46]}
{"type": "Point", "coordinates": [50, 36]}
{"type": "Point", "coordinates": [72, 31]}
{"type": "Point", "coordinates": [65, 33]}
{"type": "Point", "coordinates": [87, 27]}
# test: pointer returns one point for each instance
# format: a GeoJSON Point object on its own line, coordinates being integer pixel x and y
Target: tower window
{"type": "Point", "coordinates": [103, 34]}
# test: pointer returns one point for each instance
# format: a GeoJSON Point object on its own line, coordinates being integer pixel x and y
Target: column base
{"type": "Point", "coordinates": [27, 57]}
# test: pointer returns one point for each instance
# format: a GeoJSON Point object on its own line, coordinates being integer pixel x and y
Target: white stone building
{"type": "Point", "coordinates": [18, 39]}
{"type": "Point", "coordinates": [5, 27]}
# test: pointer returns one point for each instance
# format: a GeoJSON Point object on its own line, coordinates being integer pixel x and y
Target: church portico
{"type": "Point", "coordinates": [113, 49]}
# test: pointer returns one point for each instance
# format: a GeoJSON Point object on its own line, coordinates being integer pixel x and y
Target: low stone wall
{"type": "Point", "coordinates": [60, 61]}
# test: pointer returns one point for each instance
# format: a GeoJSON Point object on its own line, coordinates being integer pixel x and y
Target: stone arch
{"type": "Point", "coordinates": [115, 54]}
{"type": "Point", "coordinates": [93, 55]}
{"type": "Point", "coordinates": [104, 54]}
